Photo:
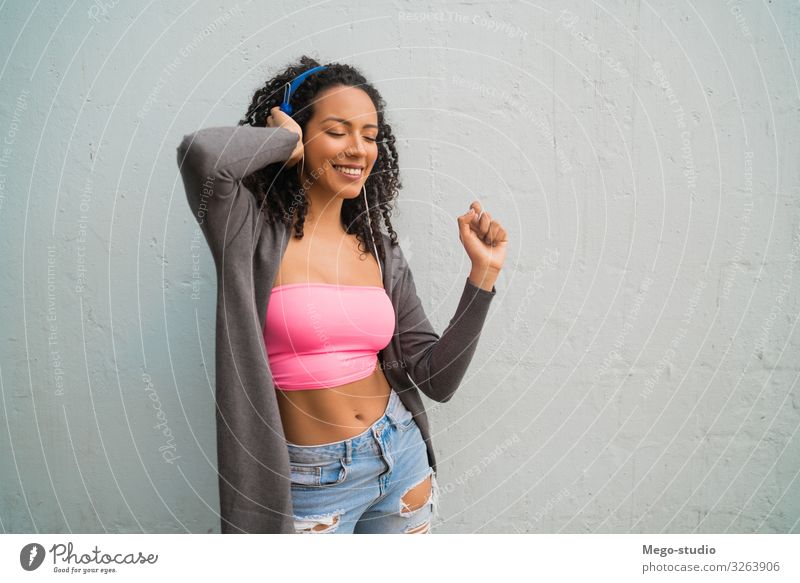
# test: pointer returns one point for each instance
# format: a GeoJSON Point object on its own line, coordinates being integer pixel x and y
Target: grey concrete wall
{"type": "Point", "coordinates": [638, 372]}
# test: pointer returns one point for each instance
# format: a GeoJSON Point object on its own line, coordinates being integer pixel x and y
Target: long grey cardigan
{"type": "Point", "coordinates": [253, 461]}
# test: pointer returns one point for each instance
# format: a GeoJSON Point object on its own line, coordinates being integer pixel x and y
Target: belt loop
{"type": "Point", "coordinates": [391, 407]}
{"type": "Point", "coordinates": [348, 452]}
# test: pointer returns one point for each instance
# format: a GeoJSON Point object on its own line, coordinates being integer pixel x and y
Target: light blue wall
{"type": "Point", "coordinates": [638, 372]}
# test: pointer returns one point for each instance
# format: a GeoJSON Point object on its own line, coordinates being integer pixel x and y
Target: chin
{"type": "Point", "coordinates": [348, 190]}
{"type": "Point", "coordinates": [348, 193]}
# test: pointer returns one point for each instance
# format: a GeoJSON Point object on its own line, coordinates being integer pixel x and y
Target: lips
{"type": "Point", "coordinates": [351, 173]}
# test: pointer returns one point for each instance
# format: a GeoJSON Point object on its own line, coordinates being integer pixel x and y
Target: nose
{"type": "Point", "coordinates": [356, 148]}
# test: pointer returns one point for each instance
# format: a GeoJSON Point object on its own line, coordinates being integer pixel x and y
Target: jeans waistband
{"type": "Point", "coordinates": [392, 414]}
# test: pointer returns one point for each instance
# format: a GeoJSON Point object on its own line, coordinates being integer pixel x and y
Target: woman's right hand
{"type": "Point", "coordinates": [277, 118]}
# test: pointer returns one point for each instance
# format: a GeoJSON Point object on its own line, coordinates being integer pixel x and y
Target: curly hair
{"type": "Point", "coordinates": [286, 201]}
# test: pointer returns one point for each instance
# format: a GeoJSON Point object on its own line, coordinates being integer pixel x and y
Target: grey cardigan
{"type": "Point", "coordinates": [253, 460]}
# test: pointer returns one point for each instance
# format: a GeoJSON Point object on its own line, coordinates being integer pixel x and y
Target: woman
{"type": "Point", "coordinates": [322, 165]}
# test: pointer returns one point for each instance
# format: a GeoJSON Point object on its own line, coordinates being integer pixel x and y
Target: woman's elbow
{"type": "Point", "coordinates": [439, 392]}
{"type": "Point", "coordinates": [192, 157]}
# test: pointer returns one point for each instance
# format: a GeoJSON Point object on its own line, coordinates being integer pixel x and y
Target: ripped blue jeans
{"type": "Point", "coordinates": [359, 485]}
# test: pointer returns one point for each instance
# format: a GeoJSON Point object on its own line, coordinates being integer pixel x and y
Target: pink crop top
{"type": "Point", "coordinates": [323, 335]}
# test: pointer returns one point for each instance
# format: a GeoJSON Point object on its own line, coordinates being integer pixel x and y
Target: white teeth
{"type": "Point", "coordinates": [351, 171]}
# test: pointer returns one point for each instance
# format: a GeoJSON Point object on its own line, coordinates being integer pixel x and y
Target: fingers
{"type": "Point", "coordinates": [496, 234]}
{"type": "Point", "coordinates": [478, 208]}
{"type": "Point", "coordinates": [273, 119]}
{"type": "Point", "coordinates": [484, 227]}
{"type": "Point", "coordinates": [490, 231]}
{"type": "Point", "coordinates": [481, 221]}
{"type": "Point", "coordinates": [465, 224]}
{"type": "Point", "coordinates": [502, 237]}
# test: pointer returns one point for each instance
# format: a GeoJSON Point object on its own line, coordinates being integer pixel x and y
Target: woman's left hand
{"type": "Point", "coordinates": [484, 239]}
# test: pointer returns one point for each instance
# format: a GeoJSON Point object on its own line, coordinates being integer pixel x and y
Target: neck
{"type": "Point", "coordinates": [324, 215]}
{"type": "Point", "coordinates": [324, 211]}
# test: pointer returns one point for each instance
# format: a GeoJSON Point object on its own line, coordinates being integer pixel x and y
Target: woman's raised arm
{"type": "Point", "coordinates": [435, 363]}
{"type": "Point", "coordinates": [213, 161]}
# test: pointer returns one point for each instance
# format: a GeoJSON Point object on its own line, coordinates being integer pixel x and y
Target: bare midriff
{"type": "Point", "coordinates": [318, 416]}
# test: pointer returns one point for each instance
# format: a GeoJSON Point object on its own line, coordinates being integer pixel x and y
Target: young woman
{"type": "Point", "coordinates": [348, 347]}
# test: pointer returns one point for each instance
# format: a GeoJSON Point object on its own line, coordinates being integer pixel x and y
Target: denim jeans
{"type": "Point", "coordinates": [357, 485]}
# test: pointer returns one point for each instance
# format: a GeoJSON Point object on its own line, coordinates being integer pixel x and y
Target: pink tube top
{"type": "Point", "coordinates": [323, 335]}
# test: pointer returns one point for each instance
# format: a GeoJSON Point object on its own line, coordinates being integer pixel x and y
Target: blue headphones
{"type": "Point", "coordinates": [288, 91]}
{"type": "Point", "coordinates": [286, 107]}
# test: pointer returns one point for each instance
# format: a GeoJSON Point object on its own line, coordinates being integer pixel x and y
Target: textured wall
{"type": "Point", "coordinates": [639, 369]}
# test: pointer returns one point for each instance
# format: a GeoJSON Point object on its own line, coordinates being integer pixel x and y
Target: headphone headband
{"type": "Point", "coordinates": [290, 88]}
{"type": "Point", "coordinates": [286, 107]}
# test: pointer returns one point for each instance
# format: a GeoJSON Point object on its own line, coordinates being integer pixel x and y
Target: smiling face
{"type": "Point", "coordinates": [342, 132]}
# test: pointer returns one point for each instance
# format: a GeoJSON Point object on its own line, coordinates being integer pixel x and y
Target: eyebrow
{"type": "Point", "coordinates": [345, 122]}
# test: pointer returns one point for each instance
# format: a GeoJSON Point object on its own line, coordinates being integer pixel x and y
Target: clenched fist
{"type": "Point", "coordinates": [484, 239]}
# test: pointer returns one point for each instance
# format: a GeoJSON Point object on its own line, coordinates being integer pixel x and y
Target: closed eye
{"type": "Point", "coordinates": [365, 137]}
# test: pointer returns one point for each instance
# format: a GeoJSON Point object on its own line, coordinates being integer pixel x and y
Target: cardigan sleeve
{"type": "Point", "coordinates": [437, 364]}
{"type": "Point", "coordinates": [213, 161]}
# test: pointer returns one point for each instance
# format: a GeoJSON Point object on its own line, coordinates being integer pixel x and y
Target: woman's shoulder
{"type": "Point", "coordinates": [392, 250]}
